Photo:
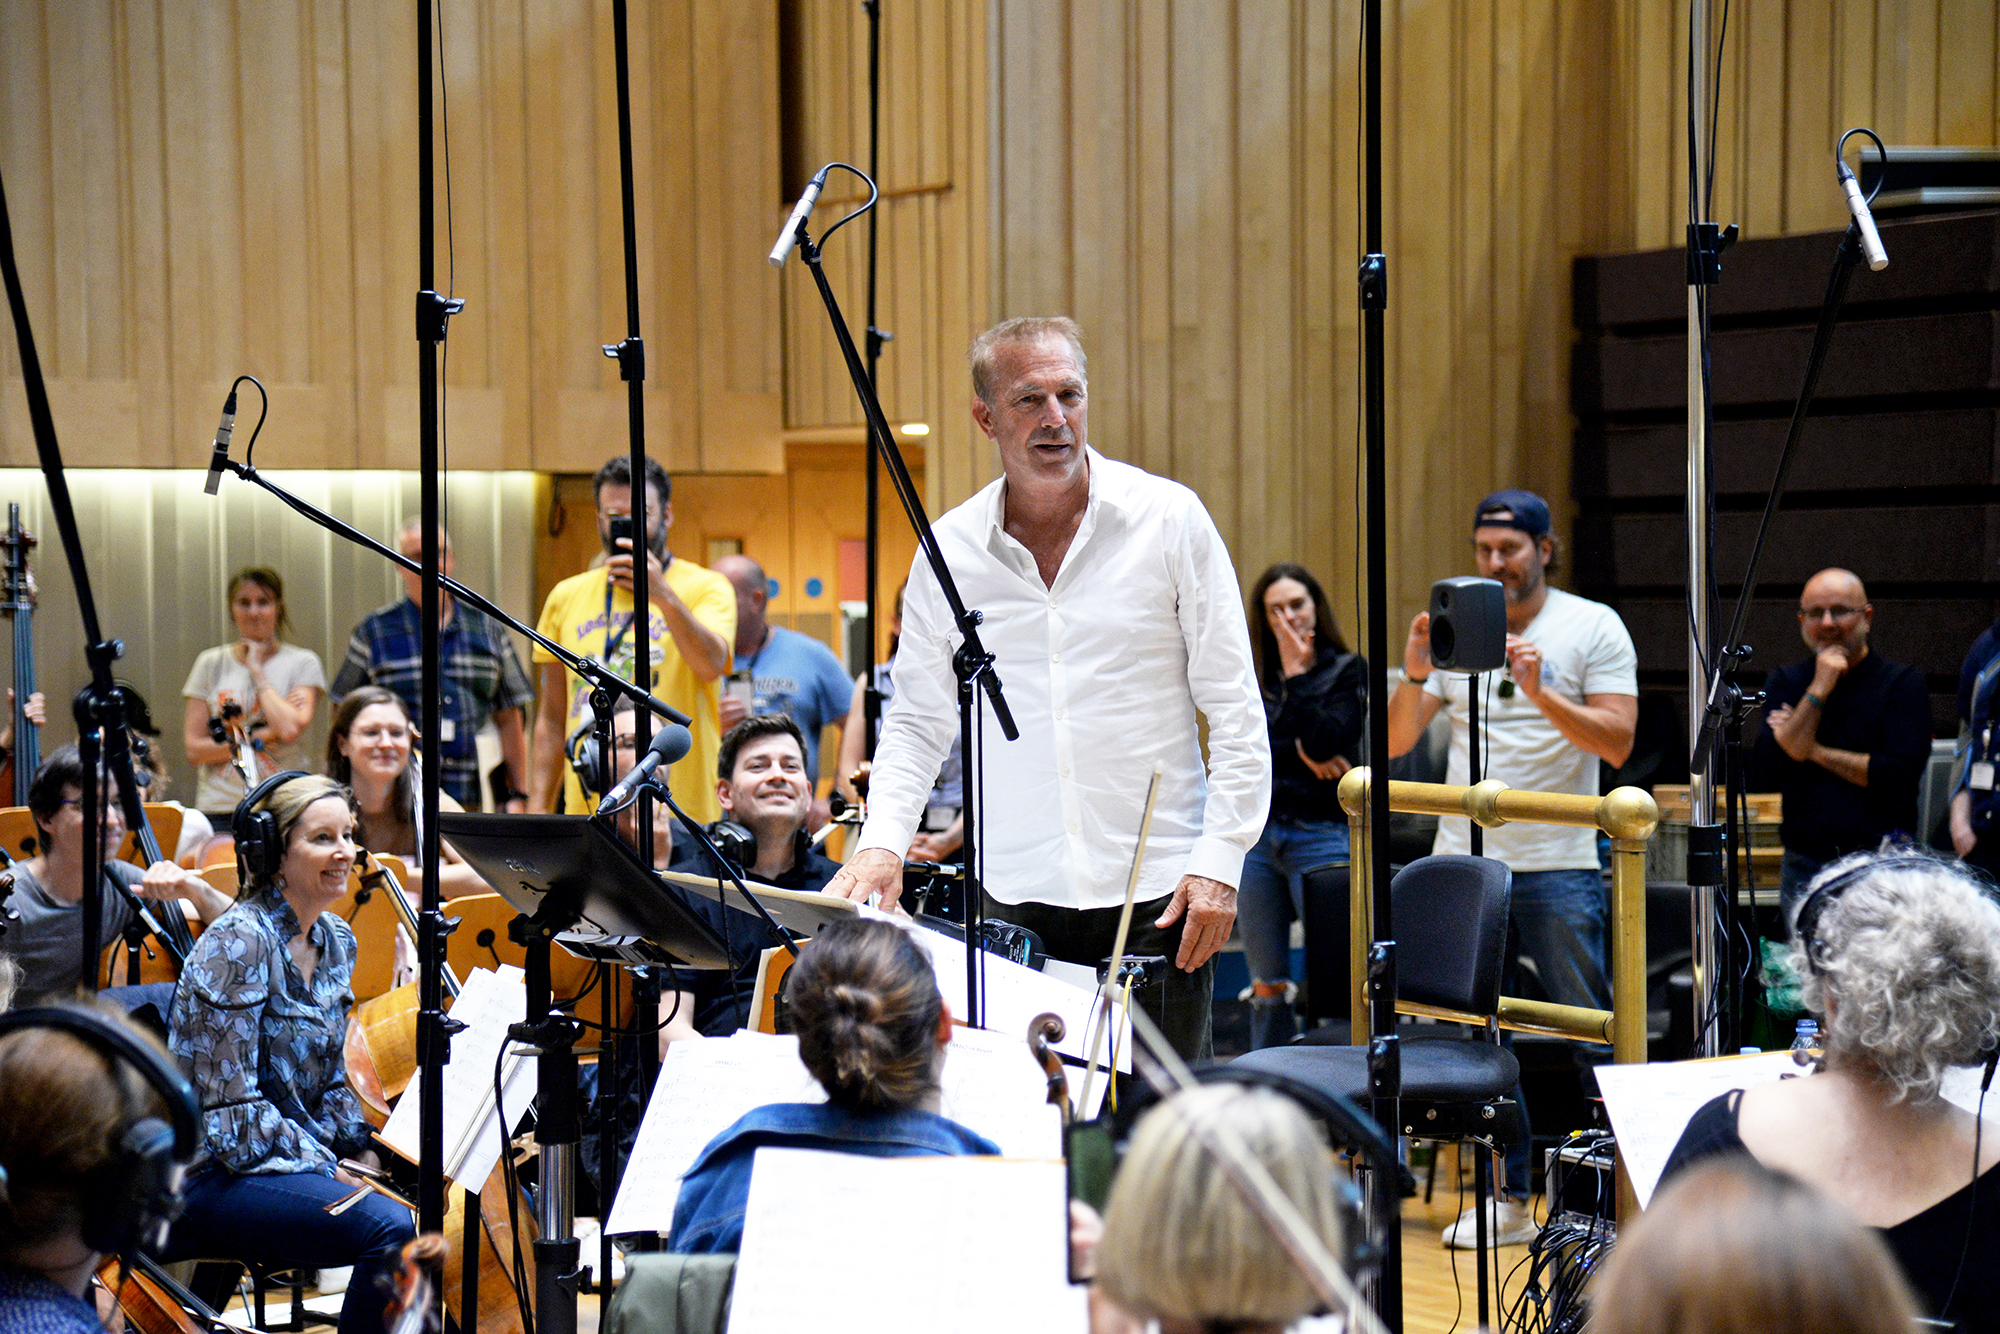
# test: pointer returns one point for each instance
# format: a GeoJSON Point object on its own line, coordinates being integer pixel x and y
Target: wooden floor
{"type": "Point", "coordinates": [1431, 1304]}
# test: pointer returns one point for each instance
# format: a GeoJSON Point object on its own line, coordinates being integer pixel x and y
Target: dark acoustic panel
{"type": "Point", "coordinates": [1928, 258]}
{"type": "Point", "coordinates": [1949, 448]}
{"type": "Point", "coordinates": [1931, 634]}
{"type": "Point", "coordinates": [1957, 544]}
{"type": "Point", "coordinates": [1916, 354]}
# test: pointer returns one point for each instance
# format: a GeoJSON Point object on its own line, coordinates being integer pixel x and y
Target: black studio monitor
{"type": "Point", "coordinates": [1468, 624]}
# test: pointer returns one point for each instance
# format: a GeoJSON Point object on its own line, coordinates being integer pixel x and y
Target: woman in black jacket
{"type": "Point", "coordinates": [1315, 700]}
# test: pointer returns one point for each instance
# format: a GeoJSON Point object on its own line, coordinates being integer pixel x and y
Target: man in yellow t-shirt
{"type": "Point", "coordinates": [692, 627]}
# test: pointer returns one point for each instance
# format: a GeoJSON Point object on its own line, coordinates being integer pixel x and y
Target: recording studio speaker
{"type": "Point", "coordinates": [1468, 624]}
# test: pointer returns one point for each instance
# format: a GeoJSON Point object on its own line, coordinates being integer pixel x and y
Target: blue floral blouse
{"type": "Point", "coordinates": [264, 1046]}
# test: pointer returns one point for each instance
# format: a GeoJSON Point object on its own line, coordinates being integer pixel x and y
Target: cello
{"type": "Point", "coordinates": [381, 1055]}
{"type": "Point", "coordinates": [17, 601]}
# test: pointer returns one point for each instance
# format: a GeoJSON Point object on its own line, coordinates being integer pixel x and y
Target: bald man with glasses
{"type": "Point", "coordinates": [1846, 740]}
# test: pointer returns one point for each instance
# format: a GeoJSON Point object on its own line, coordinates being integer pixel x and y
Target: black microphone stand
{"type": "Point", "coordinates": [972, 663]}
{"type": "Point", "coordinates": [100, 707]}
{"type": "Point", "coordinates": [1728, 705]}
{"type": "Point", "coordinates": [630, 354]}
{"type": "Point", "coordinates": [1385, 1067]}
{"type": "Point", "coordinates": [871, 694]}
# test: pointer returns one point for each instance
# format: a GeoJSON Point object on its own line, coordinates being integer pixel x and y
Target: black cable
{"type": "Point", "coordinates": [513, 1184]}
{"type": "Point", "coordinates": [250, 449]}
{"type": "Point", "coordinates": [1971, 1205]}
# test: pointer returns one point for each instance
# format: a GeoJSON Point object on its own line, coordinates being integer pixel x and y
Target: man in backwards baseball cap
{"type": "Point", "coordinates": [1567, 702]}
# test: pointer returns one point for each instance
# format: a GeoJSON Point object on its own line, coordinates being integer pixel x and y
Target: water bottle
{"type": "Point", "coordinates": [1805, 1043]}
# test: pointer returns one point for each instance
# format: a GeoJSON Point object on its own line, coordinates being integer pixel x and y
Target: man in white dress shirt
{"type": "Point", "coordinates": [1115, 616]}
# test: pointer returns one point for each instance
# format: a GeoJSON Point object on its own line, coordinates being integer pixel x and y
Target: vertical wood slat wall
{"type": "Point", "coordinates": [199, 190]}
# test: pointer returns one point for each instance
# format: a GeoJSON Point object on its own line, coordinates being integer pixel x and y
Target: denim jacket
{"type": "Point", "coordinates": [708, 1216]}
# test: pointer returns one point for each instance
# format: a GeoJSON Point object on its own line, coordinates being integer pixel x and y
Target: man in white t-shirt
{"type": "Point", "coordinates": [1567, 701]}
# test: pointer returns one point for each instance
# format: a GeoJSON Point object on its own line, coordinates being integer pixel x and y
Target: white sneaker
{"type": "Point", "coordinates": [1507, 1224]}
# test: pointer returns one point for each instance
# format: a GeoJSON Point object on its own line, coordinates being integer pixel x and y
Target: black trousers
{"type": "Point", "coordinates": [1182, 1006]}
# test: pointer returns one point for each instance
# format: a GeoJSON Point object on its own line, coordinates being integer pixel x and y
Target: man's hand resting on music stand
{"type": "Point", "coordinates": [1210, 906]}
{"type": "Point", "coordinates": [873, 875]}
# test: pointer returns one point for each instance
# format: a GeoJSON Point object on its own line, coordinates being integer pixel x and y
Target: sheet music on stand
{"type": "Point", "coordinates": [1650, 1105]}
{"type": "Point", "coordinates": [990, 1084]}
{"type": "Point", "coordinates": [473, 1134]}
{"type": "Point", "coordinates": [994, 1251]}
{"type": "Point", "coordinates": [1014, 994]}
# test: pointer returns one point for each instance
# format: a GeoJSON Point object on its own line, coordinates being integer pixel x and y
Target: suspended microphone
{"type": "Point", "coordinates": [1857, 204]}
{"type": "Point", "coordinates": [800, 212]}
{"type": "Point", "coordinates": [672, 742]}
{"type": "Point", "coordinates": [220, 457]}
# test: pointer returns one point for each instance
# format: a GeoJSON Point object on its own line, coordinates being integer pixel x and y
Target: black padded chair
{"type": "Point", "coordinates": [1450, 919]}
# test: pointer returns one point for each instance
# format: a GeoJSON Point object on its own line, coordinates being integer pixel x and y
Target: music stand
{"type": "Point", "coordinates": [571, 872]}
{"type": "Point", "coordinates": [804, 911]}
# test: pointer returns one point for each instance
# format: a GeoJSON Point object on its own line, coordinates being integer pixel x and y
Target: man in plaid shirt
{"type": "Point", "coordinates": [481, 673]}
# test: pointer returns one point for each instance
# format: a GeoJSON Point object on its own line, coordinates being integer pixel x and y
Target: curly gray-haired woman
{"type": "Point", "coordinates": [1901, 959]}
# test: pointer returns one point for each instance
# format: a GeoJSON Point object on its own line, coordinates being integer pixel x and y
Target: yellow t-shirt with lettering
{"type": "Point", "coordinates": [575, 616]}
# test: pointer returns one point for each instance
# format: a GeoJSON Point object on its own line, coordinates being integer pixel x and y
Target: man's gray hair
{"type": "Point", "coordinates": [1021, 329]}
{"type": "Point", "coordinates": [1910, 955]}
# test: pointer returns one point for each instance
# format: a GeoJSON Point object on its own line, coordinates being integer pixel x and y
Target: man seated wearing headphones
{"type": "Point", "coordinates": [88, 1167]}
{"type": "Point", "coordinates": [260, 1018]}
{"type": "Point", "coordinates": [47, 937]}
{"type": "Point", "coordinates": [766, 798]}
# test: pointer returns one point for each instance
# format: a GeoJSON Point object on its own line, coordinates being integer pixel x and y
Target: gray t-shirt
{"type": "Point", "coordinates": [47, 940]}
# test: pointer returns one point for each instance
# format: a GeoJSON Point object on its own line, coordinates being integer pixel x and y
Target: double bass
{"type": "Point", "coordinates": [17, 601]}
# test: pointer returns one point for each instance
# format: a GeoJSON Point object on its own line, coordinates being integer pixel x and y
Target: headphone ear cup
{"type": "Point", "coordinates": [584, 758]}
{"type": "Point", "coordinates": [136, 1195]}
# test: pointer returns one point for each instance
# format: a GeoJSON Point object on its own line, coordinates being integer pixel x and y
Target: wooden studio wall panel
{"type": "Point", "coordinates": [199, 190]}
{"type": "Point", "coordinates": [933, 222]}
{"type": "Point", "coordinates": [1184, 178]}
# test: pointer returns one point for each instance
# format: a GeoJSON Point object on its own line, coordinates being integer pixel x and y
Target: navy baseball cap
{"type": "Point", "coordinates": [1514, 509]}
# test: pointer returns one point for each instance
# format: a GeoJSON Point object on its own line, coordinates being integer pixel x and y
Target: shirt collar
{"type": "Point", "coordinates": [286, 920]}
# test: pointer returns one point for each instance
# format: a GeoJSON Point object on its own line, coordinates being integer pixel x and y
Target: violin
{"type": "Point", "coordinates": [412, 1307]}
{"type": "Point", "coordinates": [17, 602]}
{"type": "Point", "coordinates": [381, 1052]}
{"type": "Point", "coordinates": [1044, 1031]}
{"type": "Point", "coordinates": [150, 1300]}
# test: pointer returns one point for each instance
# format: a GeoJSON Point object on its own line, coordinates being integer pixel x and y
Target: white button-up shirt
{"type": "Point", "coordinates": [1104, 673]}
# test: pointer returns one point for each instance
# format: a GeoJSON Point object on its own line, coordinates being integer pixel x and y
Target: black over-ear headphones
{"type": "Point", "coordinates": [1823, 895]}
{"type": "Point", "coordinates": [584, 757]}
{"type": "Point", "coordinates": [260, 851]}
{"type": "Point", "coordinates": [129, 1202]}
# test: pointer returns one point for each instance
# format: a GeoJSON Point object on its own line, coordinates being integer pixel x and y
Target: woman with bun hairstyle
{"type": "Point", "coordinates": [872, 1028]}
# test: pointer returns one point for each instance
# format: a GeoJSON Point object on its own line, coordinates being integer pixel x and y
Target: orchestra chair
{"type": "Point", "coordinates": [17, 831]}
{"type": "Point", "coordinates": [1449, 914]}
{"type": "Point", "coordinates": [374, 925]}
{"type": "Point", "coordinates": [1327, 995]}
{"type": "Point", "coordinates": [481, 941]}
{"type": "Point", "coordinates": [671, 1294]}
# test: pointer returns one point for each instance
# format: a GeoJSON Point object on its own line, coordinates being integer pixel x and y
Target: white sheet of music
{"type": "Point", "coordinates": [990, 1084]}
{"type": "Point", "coordinates": [487, 1004]}
{"type": "Point", "coordinates": [1014, 995]}
{"type": "Point", "coordinates": [994, 1249]}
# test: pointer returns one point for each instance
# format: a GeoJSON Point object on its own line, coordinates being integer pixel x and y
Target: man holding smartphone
{"type": "Point", "coordinates": [691, 626]}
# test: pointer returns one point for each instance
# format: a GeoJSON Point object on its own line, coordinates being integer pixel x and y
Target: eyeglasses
{"type": "Point", "coordinates": [1829, 613]}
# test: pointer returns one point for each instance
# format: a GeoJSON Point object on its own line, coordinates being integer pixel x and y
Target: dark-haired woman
{"type": "Point", "coordinates": [276, 686]}
{"type": "Point", "coordinates": [872, 1029]}
{"type": "Point", "coordinates": [1315, 698]}
{"type": "Point", "coordinates": [259, 1019]}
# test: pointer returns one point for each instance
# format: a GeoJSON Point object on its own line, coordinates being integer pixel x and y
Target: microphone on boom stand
{"type": "Point", "coordinates": [220, 458]}
{"type": "Point", "coordinates": [671, 743]}
{"type": "Point", "coordinates": [800, 212]}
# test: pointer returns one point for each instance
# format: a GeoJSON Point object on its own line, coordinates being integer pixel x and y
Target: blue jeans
{"type": "Point", "coordinates": [1270, 899]}
{"type": "Point", "coordinates": [1562, 918]}
{"type": "Point", "coordinates": [281, 1220]}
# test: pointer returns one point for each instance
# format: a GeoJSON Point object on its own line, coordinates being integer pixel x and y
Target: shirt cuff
{"type": "Point", "coordinates": [1216, 859]}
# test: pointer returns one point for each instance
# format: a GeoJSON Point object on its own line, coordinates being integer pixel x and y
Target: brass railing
{"type": "Point", "coordinates": [1627, 814]}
